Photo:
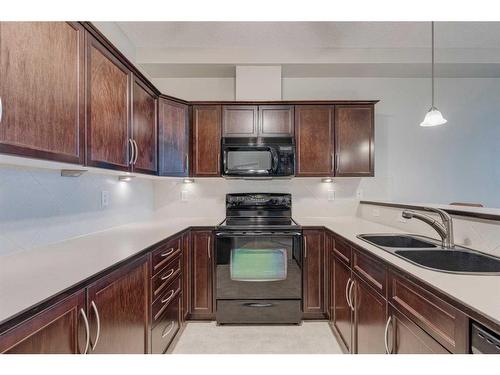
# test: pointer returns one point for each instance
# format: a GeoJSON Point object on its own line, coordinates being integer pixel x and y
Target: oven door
{"type": "Point", "coordinates": [258, 266]}
{"type": "Point", "coordinates": [250, 161]}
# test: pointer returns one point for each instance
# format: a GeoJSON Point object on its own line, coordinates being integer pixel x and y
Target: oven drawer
{"type": "Point", "coordinates": [259, 311]}
{"type": "Point", "coordinates": [167, 326]}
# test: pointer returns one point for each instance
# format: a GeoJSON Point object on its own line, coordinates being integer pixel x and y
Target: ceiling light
{"type": "Point", "coordinates": [327, 180]}
{"type": "Point", "coordinates": [188, 180]}
{"type": "Point", "coordinates": [72, 172]}
{"type": "Point", "coordinates": [433, 116]}
{"type": "Point", "coordinates": [125, 178]}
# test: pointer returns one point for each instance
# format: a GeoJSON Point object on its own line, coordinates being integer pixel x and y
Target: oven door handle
{"type": "Point", "coordinates": [247, 234]}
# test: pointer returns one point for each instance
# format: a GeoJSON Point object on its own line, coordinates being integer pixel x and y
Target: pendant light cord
{"type": "Point", "coordinates": [432, 74]}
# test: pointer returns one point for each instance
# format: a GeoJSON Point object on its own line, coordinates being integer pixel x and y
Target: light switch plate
{"type": "Point", "coordinates": [105, 198]}
{"type": "Point", "coordinates": [184, 195]}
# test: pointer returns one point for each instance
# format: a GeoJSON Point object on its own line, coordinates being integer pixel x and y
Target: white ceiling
{"type": "Point", "coordinates": [315, 49]}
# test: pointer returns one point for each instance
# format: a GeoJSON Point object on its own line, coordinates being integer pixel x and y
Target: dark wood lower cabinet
{"type": "Point", "coordinates": [166, 326]}
{"type": "Point", "coordinates": [405, 337]}
{"type": "Point", "coordinates": [60, 329]}
{"type": "Point", "coordinates": [342, 316]}
{"type": "Point", "coordinates": [118, 310]}
{"type": "Point", "coordinates": [314, 275]}
{"type": "Point", "coordinates": [186, 275]}
{"type": "Point", "coordinates": [202, 269]}
{"type": "Point", "coordinates": [370, 316]}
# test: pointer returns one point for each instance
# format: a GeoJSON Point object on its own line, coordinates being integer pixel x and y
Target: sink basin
{"type": "Point", "coordinates": [397, 240]}
{"type": "Point", "coordinates": [452, 260]}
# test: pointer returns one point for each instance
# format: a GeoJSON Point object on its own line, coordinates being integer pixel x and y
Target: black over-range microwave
{"type": "Point", "coordinates": [258, 157]}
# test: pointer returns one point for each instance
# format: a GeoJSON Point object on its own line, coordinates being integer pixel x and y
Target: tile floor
{"type": "Point", "coordinates": [208, 338]}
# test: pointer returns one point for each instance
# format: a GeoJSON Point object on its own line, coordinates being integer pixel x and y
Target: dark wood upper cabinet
{"type": "Point", "coordinates": [276, 120]}
{"type": "Point", "coordinates": [144, 128]}
{"type": "Point", "coordinates": [108, 112]}
{"type": "Point", "coordinates": [354, 146]}
{"type": "Point", "coordinates": [314, 274]}
{"type": "Point", "coordinates": [202, 268]}
{"type": "Point", "coordinates": [240, 121]}
{"type": "Point", "coordinates": [42, 90]}
{"type": "Point", "coordinates": [173, 140]}
{"type": "Point", "coordinates": [118, 308]}
{"type": "Point", "coordinates": [206, 140]}
{"type": "Point", "coordinates": [314, 140]}
{"type": "Point", "coordinates": [60, 329]}
{"type": "Point", "coordinates": [370, 316]}
{"type": "Point", "coordinates": [342, 319]}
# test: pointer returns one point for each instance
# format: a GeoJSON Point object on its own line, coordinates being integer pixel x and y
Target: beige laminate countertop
{"type": "Point", "coordinates": [477, 292]}
{"type": "Point", "coordinates": [30, 277]}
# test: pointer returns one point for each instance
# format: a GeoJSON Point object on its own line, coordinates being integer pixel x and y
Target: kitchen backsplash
{"type": "Point", "coordinates": [38, 207]}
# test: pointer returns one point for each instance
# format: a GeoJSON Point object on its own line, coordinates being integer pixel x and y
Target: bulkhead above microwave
{"type": "Point", "coordinates": [258, 157]}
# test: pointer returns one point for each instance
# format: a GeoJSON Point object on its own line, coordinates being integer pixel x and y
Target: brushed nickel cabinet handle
{"type": "Point", "coordinates": [170, 273]}
{"type": "Point", "coordinates": [208, 248]}
{"type": "Point", "coordinates": [347, 293]}
{"type": "Point", "coordinates": [218, 163]}
{"type": "Point", "coordinates": [87, 331]}
{"type": "Point", "coordinates": [386, 336]}
{"type": "Point", "coordinates": [166, 299]}
{"type": "Point", "coordinates": [350, 295]}
{"type": "Point", "coordinates": [132, 152]}
{"type": "Point", "coordinates": [167, 253]}
{"type": "Point", "coordinates": [168, 329]}
{"type": "Point", "coordinates": [136, 155]}
{"type": "Point", "coordinates": [1, 109]}
{"type": "Point", "coordinates": [337, 162]}
{"type": "Point", "coordinates": [305, 247]}
{"type": "Point", "coordinates": [98, 319]}
{"type": "Point", "coordinates": [332, 156]}
{"type": "Point", "coordinates": [185, 163]}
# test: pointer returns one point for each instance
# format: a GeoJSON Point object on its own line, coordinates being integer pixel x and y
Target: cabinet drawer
{"type": "Point", "coordinates": [259, 311]}
{"type": "Point", "coordinates": [163, 254]}
{"type": "Point", "coordinates": [439, 319]}
{"type": "Point", "coordinates": [163, 278]}
{"type": "Point", "coordinates": [372, 271]}
{"type": "Point", "coordinates": [166, 326]}
{"type": "Point", "coordinates": [342, 249]}
{"type": "Point", "coordinates": [165, 298]}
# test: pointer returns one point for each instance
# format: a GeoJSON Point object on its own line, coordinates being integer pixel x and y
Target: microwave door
{"type": "Point", "coordinates": [248, 162]}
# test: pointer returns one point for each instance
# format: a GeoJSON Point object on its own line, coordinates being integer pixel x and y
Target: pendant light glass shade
{"type": "Point", "coordinates": [433, 116]}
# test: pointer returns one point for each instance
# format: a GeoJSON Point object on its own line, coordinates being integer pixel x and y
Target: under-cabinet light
{"type": "Point", "coordinates": [188, 181]}
{"type": "Point", "coordinates": [125, 178]}
{"type": "Point", "coordinates": [72, 172]}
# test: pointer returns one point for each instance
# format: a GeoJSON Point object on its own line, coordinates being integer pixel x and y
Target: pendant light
{"type": "Point", "coordinates": [434, 116]}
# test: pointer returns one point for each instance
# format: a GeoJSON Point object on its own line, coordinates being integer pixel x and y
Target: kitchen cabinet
{"type": "Point", "coordinates": [167, 325]}
{"type": "Point", "coordinates": [314, 132]}
{"type": "Point", "coordinates": [173, 139]}
{"type": "Point", "coordinates": [342, 317]}
{"type": "Point", "coordinates": [406, 337]}
{"type": "Point", "coordinates": [109, 143]}
{"type": "Point", "coordinates": [206, 140]}
{"type": "Point", "coordinates": [42, 102]}
{"type": "Point", "coordinates": [59, 329]}
{"type": "Point", "coordinates": [118, 310]}
{"type": "Point", "coordinates": [354, 140]}
{"type": "Point", "coordinates": [144, 128]}
{"type": "Point", "coordinates": [202, 270]}
{"type": "Point", "coordinates": [314, 275]}
{"type": "Point", "coordinates": [276, 120]}
{"type": "Point", "coordinates": [186, 275]}
{"type": "Point", "coordinates": [240, 121]}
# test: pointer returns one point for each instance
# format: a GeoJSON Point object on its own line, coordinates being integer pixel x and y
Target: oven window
{"type": "Point", "coordinates": [248, 161]}
{"type": "Point", "coordinates": [258, 264]}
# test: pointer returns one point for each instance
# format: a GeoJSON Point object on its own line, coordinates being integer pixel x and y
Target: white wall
{"type": "Point", "coordinates": [38, 206]}
{"type": "Point", "coordinates": [457, 162]}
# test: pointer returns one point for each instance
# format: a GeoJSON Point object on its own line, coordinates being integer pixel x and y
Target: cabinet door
{"type": "Point", "coordinates": [276, 120]}
{"type": "Point", "coordinates": [173, 123]}
{"type": "Point", "coordinates": [239, 121]}
{"type": "Point", "coordinates": [60, 329]}
{"type": "Point", "coordinates": [314, 138]}
{"type": "Point", "coordinates": [144, 127]}
{"type": "Point", "coordinates": [342, 317]}
{"type": "Point", "coordinates": [108, 112]}
{"type": "Point", "coordinates": [202, 275]}
{"type": "Point", "coordinates": [186, 275]}
{"type": "Point", "coordinates": [314, 275]}
{"type": "Point", "coordinates": [42, 90]}
{"type": "Point", "coordinates": [118, 306]}
{"type": "Point", "coordinates": [330, 281]}
{"type": "Point", "coordinates": [206, 140]}
{"type": "Point", "coordinates": [354, 134]}
{"type": "Point", "coordinates": [370, 316]}
{"type": "Point", "coordinates": [405, 337]}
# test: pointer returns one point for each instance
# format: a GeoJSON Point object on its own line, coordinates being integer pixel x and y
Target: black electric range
{"type": "Point", "coordinates": [258, 261]}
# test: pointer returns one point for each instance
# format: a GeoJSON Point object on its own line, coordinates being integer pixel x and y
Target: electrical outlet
{"type": "Point", "coordinates": [359, 193]}
{"type": "Point", "coordinates": [376, 212]}
{"type": "Point", "coordinates": [331, 195]}
{"type": "Point", "coordinates": [184, 195]}
{"type": "Point", "coordinates": [105, 198]}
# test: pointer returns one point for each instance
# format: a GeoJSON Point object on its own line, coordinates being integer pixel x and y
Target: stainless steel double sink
{"type": "Point", "coordinates": [428, 253]}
